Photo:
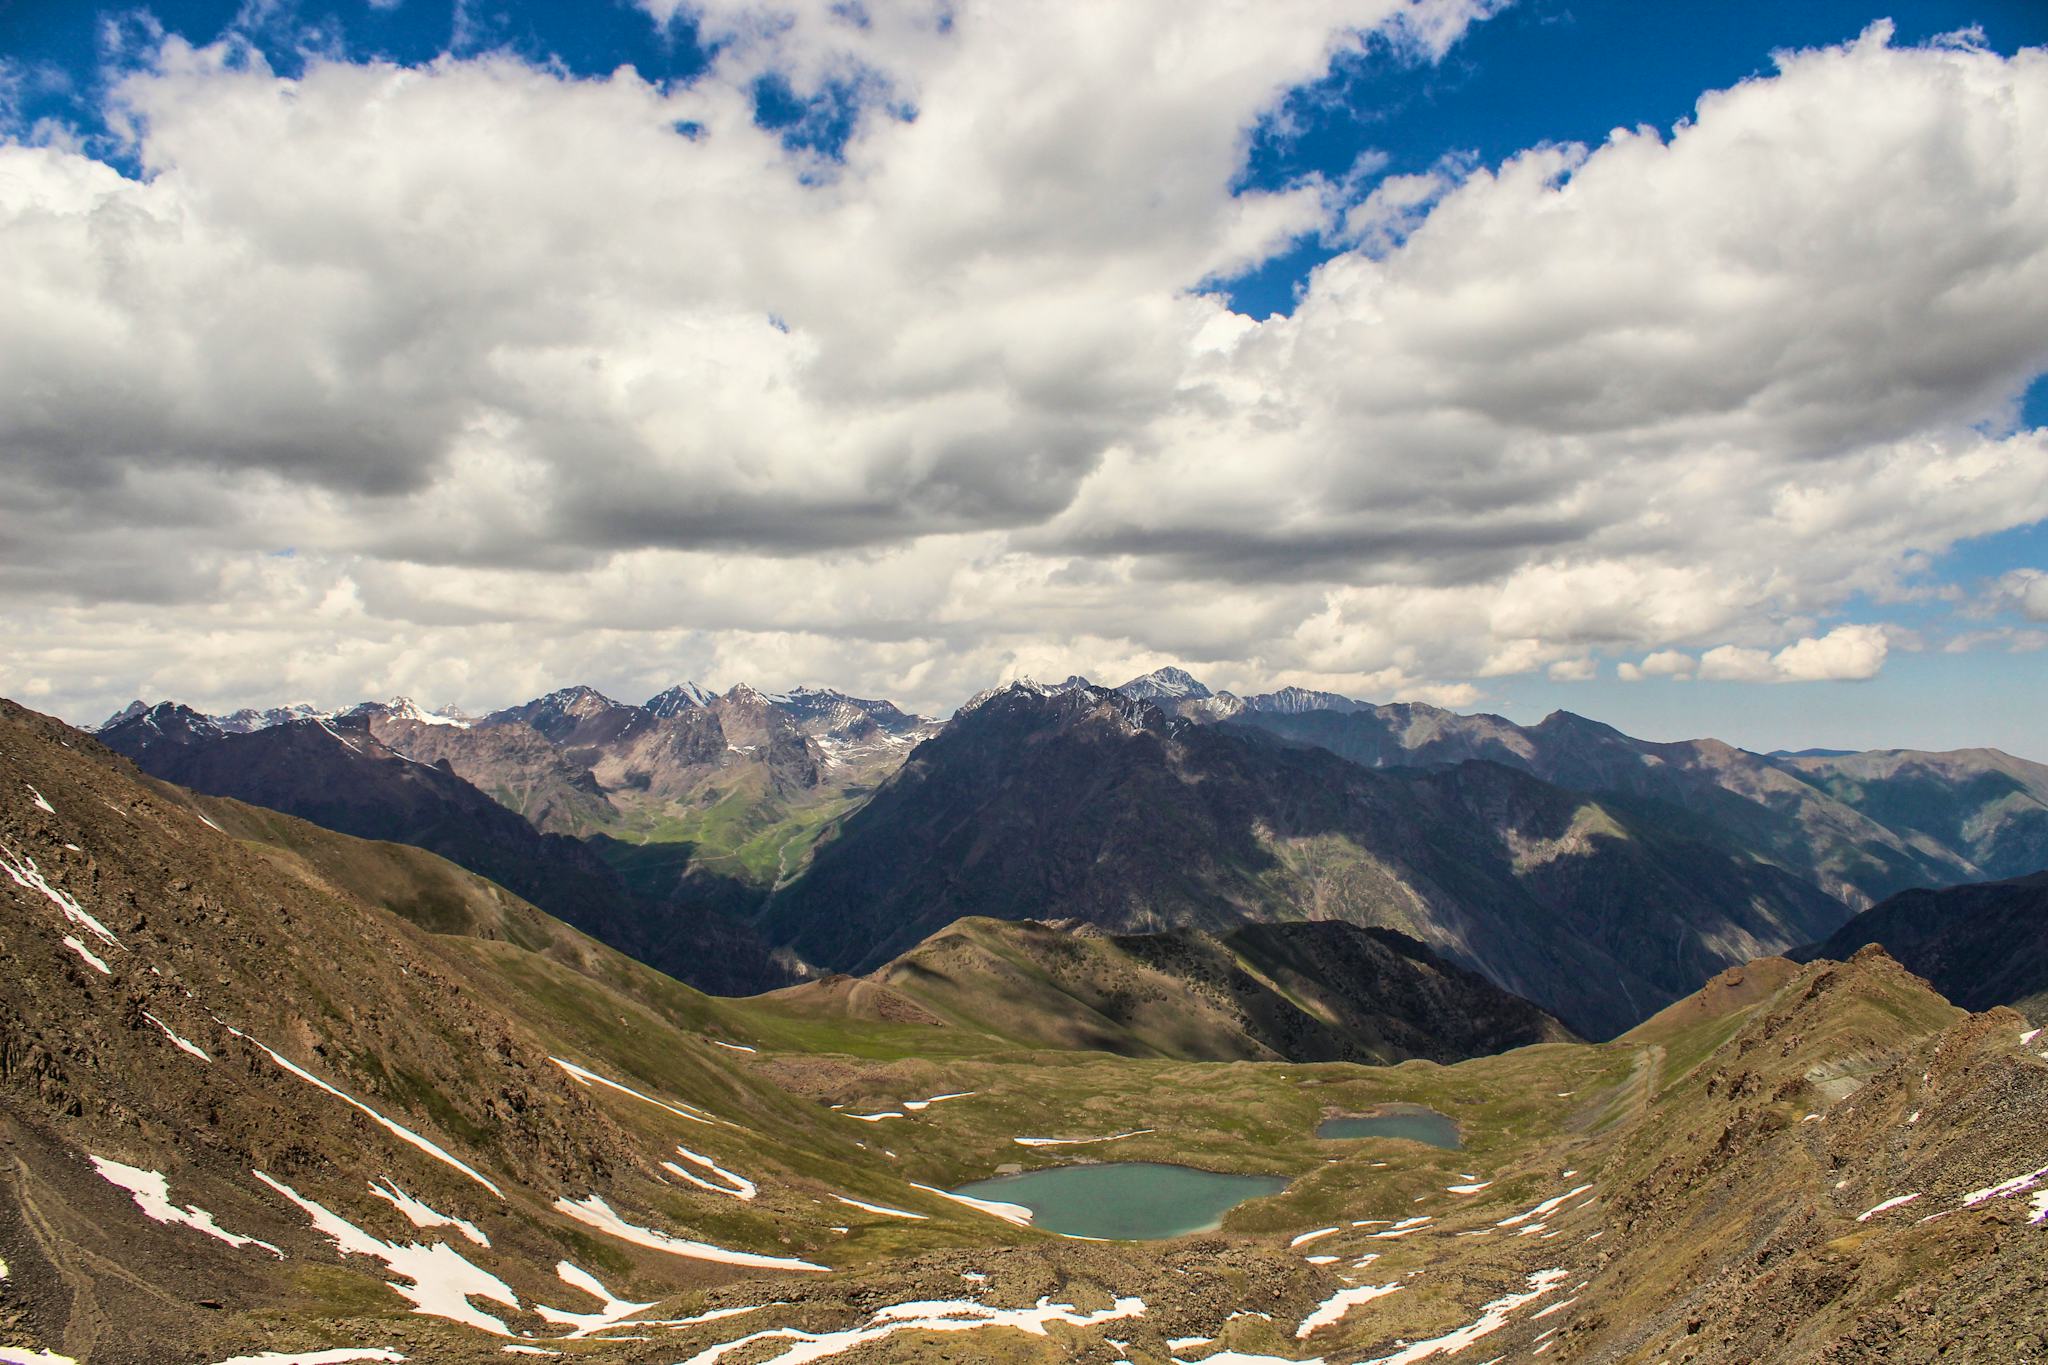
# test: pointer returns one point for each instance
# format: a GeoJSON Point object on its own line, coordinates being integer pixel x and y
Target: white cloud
{"type": "Point", "coordinates": [536, 387]}
{"type": "Point", "coordinates": [1845, 654]}
{"type": "Point", "coordinates": [1734, 663]}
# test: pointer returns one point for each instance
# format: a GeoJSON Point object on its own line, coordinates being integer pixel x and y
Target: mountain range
{"type": "Point", "coordinates": [745, 839]}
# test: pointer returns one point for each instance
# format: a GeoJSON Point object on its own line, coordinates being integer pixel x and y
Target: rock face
{"type": "Point", "coordinates": [1981, 945]}
{"type": "Point", "coordinates": [1095, 806]}
{"type": "Point", "coordinates": [1302, 992]}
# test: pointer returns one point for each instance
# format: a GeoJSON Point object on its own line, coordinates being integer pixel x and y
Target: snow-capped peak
{"type": "Point", "coordinates": [1165, 684]}
{"type": "Point", "coordinates": [682, 697]}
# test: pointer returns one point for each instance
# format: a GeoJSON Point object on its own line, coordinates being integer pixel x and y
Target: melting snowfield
{"type": "Point", "coordinates": [1491, 1319]}
{"type": "Point", "coordinates": [961, 1315]}
{"type": "Point", "coordinates": [443, 1279]}
{"type": "Point", "coordinates": [183, 1045]}
{"type": "Point", "coordinates": [595, 1212]}
{"type": "Point", "coordinates": [882, 1209]}
{"type": "Point", "coordinates": [589, 1077]}
{"type": "Point", "coordinates": [421, 1216]}
{"type": "Point", "coordinates": [397, 1130]}
{"type": "Point", "coordinates": [334, 1357]}
{"type": "Point", "coordinates": [738, 1187]}
{"type": "Point", "coordinates": [1077, 1142]}
{"type": "Point", "coordinates": [1009, 1213]}
{"type": "Point", "coordinates": [152, 1194]}
{"type": "Point", "coordinates": [1334, 1308]}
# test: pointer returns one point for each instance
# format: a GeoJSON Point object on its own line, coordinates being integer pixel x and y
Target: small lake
{"type": "Point", "coordinates": [1125, 1200]}
{"type": "Point", "coordinates": [1417, 1125]}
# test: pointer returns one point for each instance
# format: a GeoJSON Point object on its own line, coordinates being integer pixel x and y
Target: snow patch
{"type": "Point", "coordinates": [615, 1309]}
{"type": "Point", "coordinates": [2016, 1185]}
{"type": "Point", "coordinates": [1077, 1142]}
{"type": "Point", "coordinates": [91, 958]}
{"type": "Point", "coordinates": [397, 1130]}
{"type": "Point", "coordinates": [958, 1315]}
{"type": "Point", "coordinates": [1546, 1207]}
{"type": "Point", "coordinates": [183, 1045]}
{"type": "Point", "coordinates": [29, 877]}
{"type": "Point", "coordinates": [21, 1355]}
{"type": "Point", "coordinates": [152, 1194]}
{"type": "Point", "coordinates": [877, 1118]}
{"type": "Point", "coordinates": [736, 1186]}
{"type": "Point", "coordinates": [1468, 1189]}
{"type": "Point", "coordinates": [1338, 1304]}
{"type": "Point", "coordinates": [1009, 1213]}
{"type": "Point", "coordinates": [589, 1078]}
{"type": "Point", "coordinates": [41, 801]}
{"type": "Point", "coordinates": [882, 1209]}
{"type": "Point", "coordinates": [421, 1216]}
{"type": "Point", "coordinates": [333, 1357]}
{"type": "Point", "coordinates": [595, 1212]}
{"type": "Point", "coordinates": [1492, 1318]}
{"type": "Point", "coordinates": [1308, 1237]}
{"type": "Point", "coordinates": [736, 1047]}
{"type": "Point", "coordinates": [915, 1105]}
{"type": "Point", "coordinates": [1891, 1203]}
{"type": "Point", "coordinates": [443, 1280]}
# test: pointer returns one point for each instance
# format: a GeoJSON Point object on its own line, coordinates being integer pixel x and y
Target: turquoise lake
{"type": "Point", "coordinates": [1126, 1200]}
{"type": "Point", "coordinates": [1416, 1125]}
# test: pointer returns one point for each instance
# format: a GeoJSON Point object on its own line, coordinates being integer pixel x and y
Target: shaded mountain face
{"type": "Point", "coordinates": [340, 775]}
{"type": "Point", "coordinates": [1095, 806]}
{"type": "Point", "coordinates": [1303, 992]}
{"type": "Point", "coordinates": [1981, 944]}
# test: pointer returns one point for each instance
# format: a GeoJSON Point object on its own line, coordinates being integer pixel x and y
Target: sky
{"type": "Point", "coordinates": [1680, 365]}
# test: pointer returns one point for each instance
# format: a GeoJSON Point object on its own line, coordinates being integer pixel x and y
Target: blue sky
{"type": "Point", "coordinates": [941, 492]}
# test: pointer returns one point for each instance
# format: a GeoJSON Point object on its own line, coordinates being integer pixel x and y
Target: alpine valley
{"type": "Point", "coordinates": [669, 1033]}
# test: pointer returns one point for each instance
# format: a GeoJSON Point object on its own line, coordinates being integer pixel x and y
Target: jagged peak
{"type": "Point", "coordinates": [581, 695]}
{"type": "Point", "coordinates": [1297, 700]}
{"type": "Point", "coordinates": [129, 712]}
{"type": "Point", "coordinates": [1166, 684]}
{"type": "Point", "coordinates": [683, 696]}
{"type": "Point", "coordinates": [1027, 686]}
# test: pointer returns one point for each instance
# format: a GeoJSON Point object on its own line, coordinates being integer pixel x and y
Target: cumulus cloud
{"type": "Point", "coordinates": [539, 377]}
{"type": "Point", "coordinates": [1850, 653]}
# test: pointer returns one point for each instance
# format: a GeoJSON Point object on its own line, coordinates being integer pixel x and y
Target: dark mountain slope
{"type": "Point", "coordinates": [341, 777]}
{"type": "Point", "coordinates": [1980, 945]}
{"type": "Point", "coordinates": [1093, 806]}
